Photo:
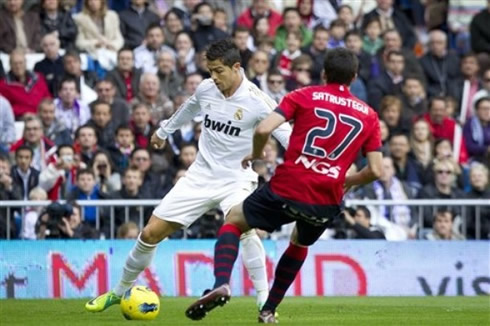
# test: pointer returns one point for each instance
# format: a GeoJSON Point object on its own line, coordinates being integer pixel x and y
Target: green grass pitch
{"type": "Point", "coordinates": [365, 311]}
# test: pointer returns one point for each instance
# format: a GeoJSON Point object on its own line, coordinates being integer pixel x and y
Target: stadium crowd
{"type": "Point", "coordinates": [112, 70]}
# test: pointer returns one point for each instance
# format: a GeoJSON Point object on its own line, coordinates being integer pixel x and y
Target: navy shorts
{"type": "Point", "coordinates": [265, 210]}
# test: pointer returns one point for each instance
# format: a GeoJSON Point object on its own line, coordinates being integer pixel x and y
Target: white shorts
{"type": "Point", "coordinates": [192, 197]}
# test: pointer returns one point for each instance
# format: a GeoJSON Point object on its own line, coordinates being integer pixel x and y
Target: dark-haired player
{"type": "Point", "coordinates": [231, 107]}
{"type": "Point", "coordinates": [330, 127]}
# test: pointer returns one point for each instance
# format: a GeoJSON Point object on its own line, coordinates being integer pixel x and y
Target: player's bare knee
{"type": "Point", "coordinates": [156, 230]}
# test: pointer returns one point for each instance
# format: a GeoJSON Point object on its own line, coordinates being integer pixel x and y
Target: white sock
{"type": "Point", "coordinates": [138, 259]}
{"type": "Point", "coordinates": [253, 256]}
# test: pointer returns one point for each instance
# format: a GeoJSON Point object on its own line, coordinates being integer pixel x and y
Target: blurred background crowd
{"type": "Point", "coordinates": [83, 85]}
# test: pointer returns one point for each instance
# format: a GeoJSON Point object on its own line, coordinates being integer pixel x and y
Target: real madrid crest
{"type": "Point", "coordinates": [238, 114]}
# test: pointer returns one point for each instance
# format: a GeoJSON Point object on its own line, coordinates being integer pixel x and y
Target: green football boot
{"type": "Point", "coordinates": [102, 302]}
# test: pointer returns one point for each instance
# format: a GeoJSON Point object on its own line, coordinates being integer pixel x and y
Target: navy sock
{"type": "Point", "coordinates": [286, 271]}
{"type": "Point", "coordinates": [225, 253]}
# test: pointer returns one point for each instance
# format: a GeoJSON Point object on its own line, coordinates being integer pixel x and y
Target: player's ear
{"type": "Point", "coordinates": [236, 66]}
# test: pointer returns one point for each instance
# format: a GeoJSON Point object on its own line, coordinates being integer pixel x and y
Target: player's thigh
{"type": "Point", "coordinates": [232, 194]}
{"type": "Point", "coordinates": [186, 202]}
{"type": "Point", "coordinates": [157, 229]}
{"type": "Point", "coordinates": [306, 234]}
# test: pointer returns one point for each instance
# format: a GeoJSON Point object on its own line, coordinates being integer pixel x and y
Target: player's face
{"type": "Point", "coordinates": [222, 75]}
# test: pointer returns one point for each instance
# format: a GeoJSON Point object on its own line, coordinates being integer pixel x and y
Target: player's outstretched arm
{"type": "Point", "coordinates": [368, 174]}
{"type": "Point", "coordinates": [261, 135]}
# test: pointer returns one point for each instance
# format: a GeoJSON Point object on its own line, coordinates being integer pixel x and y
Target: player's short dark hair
{"type": "Point", "coordinates": [340, 66]}
{"type": "Point", "coordinates": [24, 148]}
{"type": "Point", "coordinates": [224, 50]}
{"type": "Point", "coordinates": [153, 26]}
{"type": "Point", "coordinates": [365, 210]}
{"type": "Point", "coordinates": [60, 147]}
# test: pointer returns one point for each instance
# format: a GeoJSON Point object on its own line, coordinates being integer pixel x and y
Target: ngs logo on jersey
{"type": "Point", "coordinates": [319, 167]}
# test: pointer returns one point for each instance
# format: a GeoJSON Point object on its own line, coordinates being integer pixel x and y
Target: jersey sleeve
{"type": "Point", "coordinates": [373, 141]}
{"type": "Point", "coordinates": [185, 113]}
{"type": "Point", "coordinates": [288, 105]}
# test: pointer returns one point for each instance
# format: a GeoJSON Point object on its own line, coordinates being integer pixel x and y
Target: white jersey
{"type": "Point", "coordinates": [227, 128]}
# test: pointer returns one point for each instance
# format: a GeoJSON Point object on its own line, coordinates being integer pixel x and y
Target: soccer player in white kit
{"type": "Point", "coordinates": [232, 107]}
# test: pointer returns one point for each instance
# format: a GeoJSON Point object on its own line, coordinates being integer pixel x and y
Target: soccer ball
{"type": "Point", "coordinates": [140, 303]}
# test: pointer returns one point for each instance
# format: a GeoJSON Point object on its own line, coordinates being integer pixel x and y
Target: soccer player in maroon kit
{"type": "Point", "coordinates": [330, 127]}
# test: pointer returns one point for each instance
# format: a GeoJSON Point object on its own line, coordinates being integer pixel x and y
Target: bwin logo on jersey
{"type": "Point", "coordinates": [226, 128]}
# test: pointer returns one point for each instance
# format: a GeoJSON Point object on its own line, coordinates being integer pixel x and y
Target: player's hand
{"type": "Point", "coordinates": [248, 160]}
{"type": "Point", "coordinates": [156, 142]}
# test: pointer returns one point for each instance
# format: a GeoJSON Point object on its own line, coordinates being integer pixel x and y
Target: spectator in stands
{"type": "Point", "coordinates": [346, 14]}
{"type": "Point", "coordinates": [459, 16]}
{"type": "Point", "coordinates": [86, 143]}
{"type": "Point", "coordinates": [69, 110]}
{"type": "Point", "coordinates": [391, 17]}
{"type": "Point", "coordinates": [134, 22]}
{"type": "Point", "coordinates": [85, 80]}
{"type": "Point", "coordinates": [8, 191]}
{"type": "Point", "coordinates": [479, 190]}
{"type": "Point", "coordinates": [258, 69]}
{"type": "Point", "coordinates": [284, 59]}
{"type": "Point", "coordinates": [477, 132]}
{"type": "Point", "coordinates": [55, 20]}
{"type": "Point", "coordinates": [301, 73]}
{"type": "Point", "coordinates": [131, 189]}
{"type": "Point", "coordinates": [102, 123]}
{"type": "Point", "coordinates": [389, 186]}
{"type": "Point", "coordinates": [7, 125]}
{"type": "Point", "coordinates": [308, 18]}
{"type": "Point", "coordinates": [19, 29]}
{"type": "Point", "coordinates": [372, 42]}
{"type": "Point", "coordinates": [353, 42]}
{"type": "Point", "coordinates": [187, 155]}
{"type": "Point", "coordinates": [260, 31]}
{"type": "Point", "coordinates": [124, 146]}
{"type": "Point", "coordinates": [203, 30]}
{"type": "Point", "coordinates": [485, 90]}
{"type": "Point", "coordinates": [125, 77]}
{"type": "Point", "coordinates": [391, 112]}
{"type": "Point", "coordinates": [2, 71]}
{"type": "Point", "coordinates": [106, 92]}
{"type": "Point", "coordinates": [442, 188]}
{"type": "Point", "coordinates": [421, 142]}
{"type": "Point", "coordinates": [260, 8]}
{"type": "Point", "coordinates": [407, 169]}
{"type": "Point", "coordinates": [479, 33]}
{"type": "Point", "coordinates": [240, 37]}
{"type": "Point", "coordinates": [185, 11]}
{"type": "Point", "coordinates": [317, 52]}
{"type": "Point", "coordinates": [292, 24]}
{"type": "Point", "coordinates": [186, 63]}
{"type": "Point", "coordinates": [86, 189]}
{"type": "Point", "coordinates": [392, 41]}
{"type": "Point", "coordinates": [170, 80]}
{"type": "Point", "coordinates": [337, 33]}
{"type": "Point", "coordinates": [23, 88]}
{"type": "Point", "coordinates": [441, 67]}
{"type": "Point", "coordinates": [413, 98]}
{"type": "Point", "coordinates": [32, 214]}
{"type": "Point", "coordinates": [360, 223]}
{"type": "Point", "coordinates": [276, 85]}
{"type": "Point", "coordinates": [106, 178]}
{"type": "Point", "coordinates": [127, 231]}
{"type": "Point", "coordinates": [443, 150]}
{"type": "Point", "coordinates": [191, 83]}
{"type": "Point", "coordinates": [152, 183]}
{"type": "Point", "coordinates": [146, 54]}
{"type": "Point", "coordinates": [59, 177]}
{"type": "Point", "coordinates": [389, 82]}
{"type": "Point", "coordinates": [98, 33]}
{"type": "Point", "coordinates": [443, 227]}
{"type": "Point", "coordinates": [172, 26]}
{"type": "Point", "coordinates": [220, 20]}
{"type": "Point", "coordinates": [470, 71]}
{"type": "Point", "coordinates": [51, 67]}
{"type": "Point", "coordinates": [151, 96]}
{"type": "Point", "coordinates": [35, 139]}
{"type": "Point", "coordinates": [25, 176]}
{"type": "Point", "coordinates": [141, 125]}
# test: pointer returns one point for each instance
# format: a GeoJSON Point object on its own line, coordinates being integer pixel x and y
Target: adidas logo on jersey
{"type": "Point", "coordinates": [226, 128]}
